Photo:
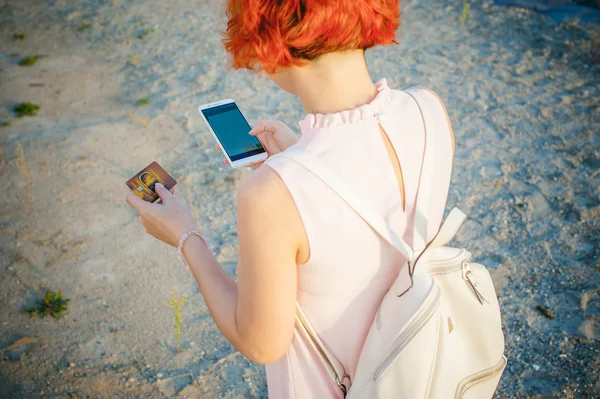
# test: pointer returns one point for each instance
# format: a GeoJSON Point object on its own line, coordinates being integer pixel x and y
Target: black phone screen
{"type": "Point", "coordinates": [232, 129]}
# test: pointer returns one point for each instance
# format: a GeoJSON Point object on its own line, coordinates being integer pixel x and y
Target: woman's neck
{"type": "Point", "coordinates": [335, 82]}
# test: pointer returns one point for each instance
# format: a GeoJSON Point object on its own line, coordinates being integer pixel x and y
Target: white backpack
{"type": "Point", "coordinates": [440, 335]}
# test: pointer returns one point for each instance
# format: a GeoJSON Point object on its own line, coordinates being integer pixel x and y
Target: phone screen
{"type": "Point", "coordinates": [232, 129]}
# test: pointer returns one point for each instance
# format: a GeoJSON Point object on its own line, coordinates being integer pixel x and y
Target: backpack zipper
{"type": "Point", "coordinates": [412, 328]}
{"type": "Point", "coordinates": [481, 376]}
{"type": "Point", "coordinates": [470, 277]}
{"type": "Point", "coordinates": [448, 265]}
{"type": "Point", "coordinates": [454, 264]}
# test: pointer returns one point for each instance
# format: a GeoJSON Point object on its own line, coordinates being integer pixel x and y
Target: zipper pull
{"type": "Point", "coordinates": [469, 276]}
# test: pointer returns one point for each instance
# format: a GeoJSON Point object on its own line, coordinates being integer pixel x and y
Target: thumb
{"type": "Point", "coordinates": [162, 192]}
{"type": "Point", "coordinates": [136, 202]}
{"type": "Point", "coordinates": [259, 128]}
{"type": "Point", "coordinates": [256, 130]}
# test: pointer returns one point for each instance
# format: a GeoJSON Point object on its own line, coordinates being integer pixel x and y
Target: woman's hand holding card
{"type": "Point", "coordinates": [167, 219]}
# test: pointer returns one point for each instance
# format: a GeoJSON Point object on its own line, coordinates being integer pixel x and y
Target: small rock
{"type": "Point", "coordinates": [73, 15]}
{"type": "Point", "coordinates": [131, 380]}
{"type": "Point", "coordinates": [71, 364]}
{"type": "Point", "coordinates": [588, 329]}
{"type": "Point", "coordinates": [173, 385]}
{"type": "Point", "coordinates": [536, 367]}
{"type": "Point", "coordinates": [20, 347]}
{"type": "Point", "coordinates": [189, 392]}
{"type": "Point", "coordinates": [159, 375]}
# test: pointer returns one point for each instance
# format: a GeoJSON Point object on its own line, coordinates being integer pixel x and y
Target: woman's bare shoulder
{"type": "Point", "coordinates": [262, 183]}
{"type": "Point", "coordinates": [265, 204]}
{"type": "Point", "coordinates": [264, 192]}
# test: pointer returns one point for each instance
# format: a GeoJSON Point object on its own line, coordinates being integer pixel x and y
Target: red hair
{"type": "Point", "coordinates": [268, 34]}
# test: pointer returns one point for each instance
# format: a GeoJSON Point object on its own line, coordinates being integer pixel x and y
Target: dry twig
{"type": "Point", "coordinates": [221, 361]}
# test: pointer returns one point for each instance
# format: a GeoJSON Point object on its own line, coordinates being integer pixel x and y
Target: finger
{"type": "Point", "coordinates": [258, 128]}
{"type": "Point", "coordinates": [257, 165]}
{"type": "Point", "coordinates": [171, 190]}
{"type": "Point", "coordinates": [267, 126]}
{"type": "Point", "coordinates": [163, 193]}
{"type": "Point", "coordinates": [218, 147]}
{"type": "Point", "coordinates": [225, 161]}
{"type": "Point", "coordinates": [263, 127]}
{"type": "Point", "coordinates": [136, 202]}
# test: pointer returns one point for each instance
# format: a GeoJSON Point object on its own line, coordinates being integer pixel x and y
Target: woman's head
{"type": "Point", "coordinates": [272, 34]}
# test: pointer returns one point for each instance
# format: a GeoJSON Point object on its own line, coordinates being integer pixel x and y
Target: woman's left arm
{"type": "Point", "coordinates": [257, 314]}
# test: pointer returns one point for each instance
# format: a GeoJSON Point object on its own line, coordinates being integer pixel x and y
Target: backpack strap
{"type": "Point", "coordinates": [432, 111]}
{"type": "Point", "coordinates": [333, 367]}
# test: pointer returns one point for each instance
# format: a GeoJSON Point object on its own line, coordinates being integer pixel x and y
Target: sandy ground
{"type": "Point", "coordinates": [524, 99]}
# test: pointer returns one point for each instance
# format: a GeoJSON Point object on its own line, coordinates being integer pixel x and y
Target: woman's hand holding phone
{"type": "Point", "coordinates": [275, 136]}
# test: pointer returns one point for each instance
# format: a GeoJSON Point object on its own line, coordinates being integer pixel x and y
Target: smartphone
{"type": "Point", "coordinates": [230, 128]}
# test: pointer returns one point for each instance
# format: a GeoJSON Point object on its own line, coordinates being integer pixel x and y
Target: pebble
{"type": "Point", "coordinates": [159, 375]}
{"type": "Point", "coordinates": [536, 367]}
{"type": "Point", "coordinates": [71, 365]}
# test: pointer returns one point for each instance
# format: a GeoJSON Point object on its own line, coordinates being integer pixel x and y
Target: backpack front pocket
{"type": "Point", "coordinates": [410, 361]}
{"type": "Point", "coordinates": [480, 384]}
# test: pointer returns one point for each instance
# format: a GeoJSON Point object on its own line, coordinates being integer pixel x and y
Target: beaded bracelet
{"type": "Point", "coordinates": [182, 240]}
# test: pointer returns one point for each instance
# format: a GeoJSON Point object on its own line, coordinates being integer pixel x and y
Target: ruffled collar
{"type": "Point", "coordinates": [337, 119]}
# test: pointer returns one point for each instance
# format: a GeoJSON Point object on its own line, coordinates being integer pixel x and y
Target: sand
{"type": "Point", "coordinates": [524, 99]}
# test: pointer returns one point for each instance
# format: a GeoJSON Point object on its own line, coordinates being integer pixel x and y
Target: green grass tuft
{"type": "Point", "coordinates": [19, 36]}
{"type": "Point", "coordinates": [26, 109]}
{"type": "Point", "coordinates": [145, 33]}
{"type": "Point", "coordinates": [4, 124]}
{"type": "Point", "coordinates": [465, 12]}
{"type": "Point", "coordinates": [30, 60]}
{"type": "Point", "coordinates": [134, 59]}
{"type": "Point", "coordinates": [83, 26]}
{"type": "Point", "coordinates": [53, 305]}
{"type": "Point", "coordinates": [176, 304]}
{"type": "Point", "coordinates": [143, 101]}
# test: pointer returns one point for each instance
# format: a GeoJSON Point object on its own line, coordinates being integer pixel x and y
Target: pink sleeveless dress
{"type": "Point", "coordinates": [350, 267]}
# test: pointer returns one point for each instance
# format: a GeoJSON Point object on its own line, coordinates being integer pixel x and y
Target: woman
{"type": "Point", "coordinates": [298, 241]}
